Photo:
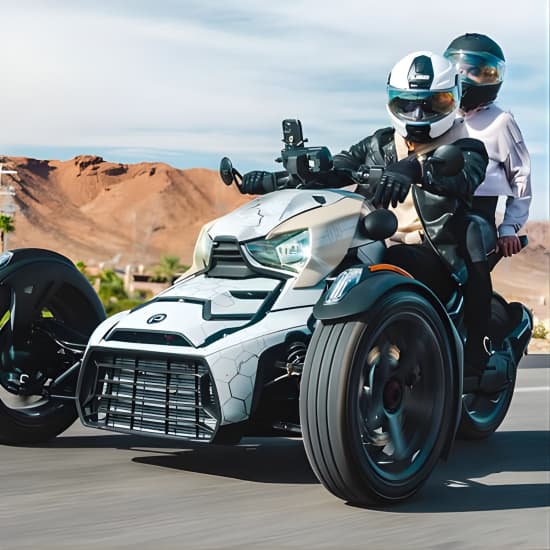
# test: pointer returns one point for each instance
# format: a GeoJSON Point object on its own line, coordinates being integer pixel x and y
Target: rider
{"type": "Point", "coordinates": [423, 100]}
{"type": "Point", "coordinates": [481, 65]}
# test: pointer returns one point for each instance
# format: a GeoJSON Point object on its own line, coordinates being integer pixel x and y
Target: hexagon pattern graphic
{"type": "Point", "coordinates": [234, 371]}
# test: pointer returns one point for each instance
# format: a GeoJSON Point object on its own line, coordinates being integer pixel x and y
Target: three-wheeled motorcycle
{"type": "Point", "coordinates": [287, 323]}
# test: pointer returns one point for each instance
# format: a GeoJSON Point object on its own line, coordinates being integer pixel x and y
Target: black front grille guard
{"type": "Point", "coordinates": [149, 393]}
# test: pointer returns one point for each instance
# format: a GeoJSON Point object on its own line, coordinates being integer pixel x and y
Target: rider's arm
{"type": "Point", "coordinates": [463, 185]}
{"type": "Point", "coordinates": [517, 167]}
{"type": "Point", "coordinates": [354, 157]}
{"type": "Point", "coordinates": [260, 183]}
{"type": "Point", "coordinates": [370, 151]}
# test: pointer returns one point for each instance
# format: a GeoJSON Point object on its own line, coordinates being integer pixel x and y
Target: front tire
{"type": "Point", "coordinates": [374, 402]}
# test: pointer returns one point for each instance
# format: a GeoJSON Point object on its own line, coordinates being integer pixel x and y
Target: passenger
{"type": "Point", "coordinates": [481, 65]}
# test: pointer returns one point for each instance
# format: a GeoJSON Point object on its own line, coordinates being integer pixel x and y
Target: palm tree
{"type": "Point", "coordinates": [6, 226]}
{"type": "Point", "coordinates": [168, 269]}
{"type": "Point", "coordinates": [111, 287]}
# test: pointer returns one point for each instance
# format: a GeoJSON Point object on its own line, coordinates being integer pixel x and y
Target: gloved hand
{"type": "Point", "coordinates": [257, 182]}
{"type": "Point", "coordinates": [396, 181]}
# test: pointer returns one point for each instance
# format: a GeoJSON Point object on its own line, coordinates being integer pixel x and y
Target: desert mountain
{"type": "Point", "coordinates": [98, 211]}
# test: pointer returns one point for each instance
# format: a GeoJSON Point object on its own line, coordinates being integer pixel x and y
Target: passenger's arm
{"type": "Point", "coordinates": [517, 167]}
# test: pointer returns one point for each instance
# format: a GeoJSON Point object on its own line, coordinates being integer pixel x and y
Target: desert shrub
{"type": "Point", "coordinates": [540, 330]}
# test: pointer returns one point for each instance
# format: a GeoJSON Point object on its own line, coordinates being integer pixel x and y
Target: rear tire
{"type": "Point", "coordinates": [40, 287]}
{"type": "Point", "coordinates": [374, 400]}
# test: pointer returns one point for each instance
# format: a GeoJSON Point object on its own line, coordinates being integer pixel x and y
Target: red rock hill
{"type": "Point", "coordinates": [96, 211]}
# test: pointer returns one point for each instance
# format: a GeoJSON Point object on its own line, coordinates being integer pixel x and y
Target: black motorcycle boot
{"type": "Point", "coordinates": [499, 370]}
{"type": "Point", "coordinates": [492, 370]}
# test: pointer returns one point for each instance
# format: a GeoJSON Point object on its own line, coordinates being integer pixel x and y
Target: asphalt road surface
{"type": "Point", "coordinates": [93, 489]}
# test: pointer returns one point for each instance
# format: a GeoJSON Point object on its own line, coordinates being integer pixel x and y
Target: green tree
{"type": "Point", "coordinates": [168, 268]}
{"type": "Point", "coordinates": [6, 226]}
{"type": "Point", "coordinates": [111, 287]}
{"type": "Point", "coordinates": [111, 291]}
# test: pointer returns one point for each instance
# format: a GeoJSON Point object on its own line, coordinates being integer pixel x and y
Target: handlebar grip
{"type": "Point", "coordinates": [523, 240]}
{"type": "Point", "coordinates": [367, 174]}
{"type": "Point", "coordinates": [366, 178]}
{"type": "Point", "coordinates": [283, 180]}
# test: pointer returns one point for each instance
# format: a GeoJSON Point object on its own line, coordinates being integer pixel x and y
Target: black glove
{"type": "Point", "coordinates": [396, 181]}
{"type": "Point", "coordinates": [257, 182]}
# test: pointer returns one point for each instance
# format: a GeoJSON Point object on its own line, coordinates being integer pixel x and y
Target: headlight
{"type": "Point", "coordinates": [203, 248]}
{"type": "Point", "coordinates": [289, 251]}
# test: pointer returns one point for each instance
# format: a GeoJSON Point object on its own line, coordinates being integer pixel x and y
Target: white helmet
{"type": "Point", "coordinates": [423, 96]}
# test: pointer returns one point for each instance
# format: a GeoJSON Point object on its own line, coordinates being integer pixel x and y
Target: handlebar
{"type": "Point", "coordinates": [364, 178]}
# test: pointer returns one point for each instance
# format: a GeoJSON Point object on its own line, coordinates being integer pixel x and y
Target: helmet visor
{"type": "Point", "coordinates": [422, 105]}
{"type": "Point", "coordinates": [477, 68]}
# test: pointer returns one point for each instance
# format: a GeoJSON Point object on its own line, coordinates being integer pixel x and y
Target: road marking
{"type": "Point", "coordinates": [532, 388]}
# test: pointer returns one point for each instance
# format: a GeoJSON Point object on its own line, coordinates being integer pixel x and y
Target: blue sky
{"type": "Point", "coordinates": [187, 82]}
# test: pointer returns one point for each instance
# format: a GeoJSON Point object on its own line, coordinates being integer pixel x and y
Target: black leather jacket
{"type": "Point", "coordinates": [379, 149]}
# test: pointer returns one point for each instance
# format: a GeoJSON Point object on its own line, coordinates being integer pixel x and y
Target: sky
{"type": "Point", "coordinates": [187, 82]}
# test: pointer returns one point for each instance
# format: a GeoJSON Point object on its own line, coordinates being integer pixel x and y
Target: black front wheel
{"type": "Point", "coordinates": [48, 310]}
{"type": "Point", "coordinates": [375, 400]}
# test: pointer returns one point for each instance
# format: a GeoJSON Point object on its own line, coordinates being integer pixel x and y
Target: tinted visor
{"type": "Point", "coordinates": [477, 68]}
{"type": "Point", "coordinates": [422, 105]}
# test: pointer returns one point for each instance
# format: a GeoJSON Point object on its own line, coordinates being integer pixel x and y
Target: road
{"type": "Point", "coordinates": [89, 489]}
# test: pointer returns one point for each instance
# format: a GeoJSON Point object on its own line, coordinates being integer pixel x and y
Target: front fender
{"type": "Point", "coordinates": [27, 274]}
{"type": "Point", "coordinates": [361, 298]}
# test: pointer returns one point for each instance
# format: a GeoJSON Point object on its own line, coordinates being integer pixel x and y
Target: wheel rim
{"type": "Point", "coordinates": [485, 409]}
{"type": "Point", "coordinates": [27, 352]}
{"type": "Point", "coordinates": [400, 395]}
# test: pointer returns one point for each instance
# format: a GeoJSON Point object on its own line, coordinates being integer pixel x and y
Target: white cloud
{"type": "Point", "coordinates": [219, 76]}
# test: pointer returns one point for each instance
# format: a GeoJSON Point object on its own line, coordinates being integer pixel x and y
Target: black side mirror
{"type": "Point", "coordinates": [379, 224]}
{"type": "Point", "coordinates": [227, 172]}
{"type": "Point", "coordinates": [446, 160]}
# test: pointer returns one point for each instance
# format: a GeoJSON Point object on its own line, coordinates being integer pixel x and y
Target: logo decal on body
{"type": "Point", "coordinates": [156, 318]}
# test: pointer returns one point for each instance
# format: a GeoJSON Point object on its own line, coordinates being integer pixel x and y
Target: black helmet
{"type": "Point", "coordinates": [481, 65]}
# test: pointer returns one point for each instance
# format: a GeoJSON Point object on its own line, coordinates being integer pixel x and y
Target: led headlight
{"type": "Point", "coordinates": [5, 258]}
{"type": "Point", "coordinates": [203, 248]}
{"type": "Point", "coordinates": [289, 251]}
{"type": "Point", "coordinates": [343, 284]}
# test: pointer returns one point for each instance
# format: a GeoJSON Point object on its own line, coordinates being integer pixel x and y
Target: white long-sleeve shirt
{"type": "Point", "coordinates": [509, 170]}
